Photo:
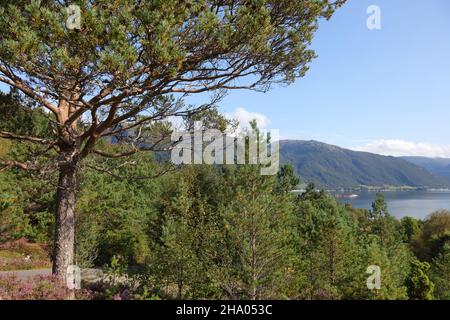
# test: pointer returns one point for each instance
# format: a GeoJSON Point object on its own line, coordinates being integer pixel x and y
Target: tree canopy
{"type": "Point", "coordinates": [128, 54]}
{"type": "Point", "coordinates": [130, 63]}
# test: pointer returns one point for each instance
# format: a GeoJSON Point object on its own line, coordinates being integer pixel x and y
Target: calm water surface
{"type": "Point", "coordinates": [417, 204]}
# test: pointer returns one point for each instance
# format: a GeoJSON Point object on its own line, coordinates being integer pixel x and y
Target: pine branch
{"type": "Point", "coordinates": [12, 136]}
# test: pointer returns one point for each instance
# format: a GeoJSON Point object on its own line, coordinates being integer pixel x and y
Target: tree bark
{"type": "Point", "coordinates": [64, 248]}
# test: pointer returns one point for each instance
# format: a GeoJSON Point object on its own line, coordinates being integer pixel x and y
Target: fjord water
{"type": "Point", "coordinates": [418, 204]}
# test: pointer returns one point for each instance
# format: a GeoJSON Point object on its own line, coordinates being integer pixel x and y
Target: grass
{"type": "Point", "coordinates": [20, 255]}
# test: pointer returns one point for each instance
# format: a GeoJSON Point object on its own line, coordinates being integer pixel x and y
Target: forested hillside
{"type": "Point", "coordinates": [333, 167]}
{"type": "Point", "coordinates": [437, 166]}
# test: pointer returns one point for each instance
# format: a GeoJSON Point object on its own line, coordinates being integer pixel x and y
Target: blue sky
{"type": "Point", "coordinates": [385, 91]}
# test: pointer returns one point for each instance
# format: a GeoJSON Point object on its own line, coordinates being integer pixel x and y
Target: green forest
{"type": "Point", "coordinates": [220, 232]}
{"type": "Point", "coordinates": [77, 77]}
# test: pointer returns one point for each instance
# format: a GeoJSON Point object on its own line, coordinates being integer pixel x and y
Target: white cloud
{"type": "Point", "coordinates": [405, 148]}
{"type": "Point", "coordinates": [244, 117]}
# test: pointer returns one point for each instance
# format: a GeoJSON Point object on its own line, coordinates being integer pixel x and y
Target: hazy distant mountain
{"type": "Point", "coordinates": [333, 167]}
{"type": "Point", "coordinates": [437, 166]}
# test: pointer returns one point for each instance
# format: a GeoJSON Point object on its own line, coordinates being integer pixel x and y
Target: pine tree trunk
{"type": "Point", "coordinates": [65, 219]}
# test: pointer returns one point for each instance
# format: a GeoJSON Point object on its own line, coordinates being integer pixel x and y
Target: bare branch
{"type": "Point", "coordinates": [7, 164]}
{"type": "Point", "coordinates": [115, 155]}
{"type": "Point", "coordinates": [12, 136]}
{"type": "Point", "coordinates": [19, 84]}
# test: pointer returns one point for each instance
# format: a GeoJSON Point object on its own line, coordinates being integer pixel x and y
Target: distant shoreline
{"type": "Point", "coordinates": [376, 189]}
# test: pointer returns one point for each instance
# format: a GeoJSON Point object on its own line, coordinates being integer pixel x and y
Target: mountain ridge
{"type": "Point", "coordinates": [437, 166]}
{"type": "Point", "coordinates": [331, 166]}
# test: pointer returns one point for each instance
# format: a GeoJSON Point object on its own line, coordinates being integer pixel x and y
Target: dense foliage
{"type": "Point", "coordinates": [99, 68]}
{"type": "Point", "coordinates": [227, 232]}
{"type": "Point", "coordinates": [220, 231]}
{"type": "Point", "coordinates": [201, 232]}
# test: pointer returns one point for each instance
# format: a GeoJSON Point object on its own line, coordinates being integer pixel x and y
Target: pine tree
{"type": "Point", "coordinates": [129, 64]}
{"type": "Point", "coordinates": [328, 260]}
{"type": "Point", "coordinates": [418, 283]}
{"type": "Point", "coordinates": [189, 240]}
{"type": "Point", "coordinates": [287, 180]}
{"type": "Point", "coordinates": [383, 224]}
{"type": "Point", "coordinates": [257, 227]}
{"type": "Point", "coordinates": [440, 274]}
{"type": "Point", "coordinates": [384, 246]}
{"type": "Point", "coordinates": [410, 227]}
{"type": "Point", "coordinates": [394, 267]}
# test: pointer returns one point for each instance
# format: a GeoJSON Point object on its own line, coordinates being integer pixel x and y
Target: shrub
{"type": "Point", "coordinates": [38, 288]}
